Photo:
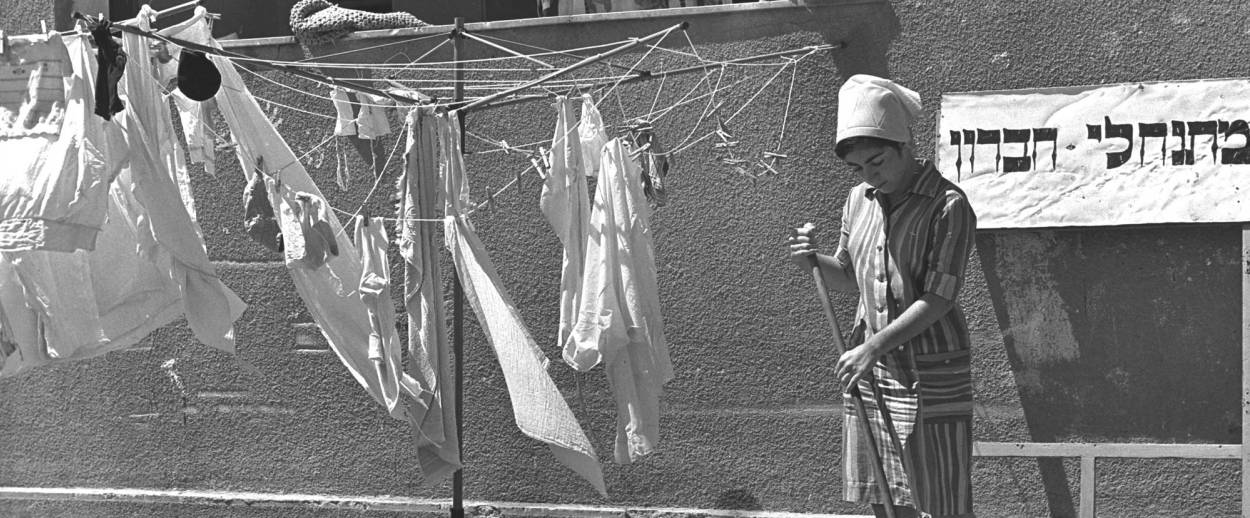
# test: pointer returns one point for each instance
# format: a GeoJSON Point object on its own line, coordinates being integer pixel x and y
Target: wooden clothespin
{"type": "Point", "coordinates": [43, 26]}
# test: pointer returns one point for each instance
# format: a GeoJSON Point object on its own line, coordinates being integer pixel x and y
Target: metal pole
{"type": "Point", "coordinates": [457, 497]}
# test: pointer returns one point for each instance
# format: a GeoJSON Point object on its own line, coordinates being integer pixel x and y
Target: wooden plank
{"type": "Point", "coordinates": [1245, 368]}
{"type": "Point", "coordinates": [1087, 487]}
{"type": "Point", "coordinates": [1120, 450]}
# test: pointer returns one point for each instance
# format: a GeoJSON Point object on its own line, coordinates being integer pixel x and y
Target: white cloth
{"type": "Point", "coordinates": [195, 116]}
{"type": "Point", "coordinates": [342, 317]}
{"type": "Point", "coordinates": [619, 319]}
{"type": "Point", "coordinates": [438, 447]}
{"type": "Point", "coordinates": [157, 177]}
{"type": "Point", "coordinates": [372, 121]}
{"type": "Point", "coordinates": [56, 174]}
{"type": "Point", "coordinates": [537, 405]}
{"type": "Point", "coordinates": [566, 205]}
{"type": "Point", "coordinates": [375, 292]}
{"type": "Point", "coordinates": [869, 106]}
{"type": "Point", "coordinates": [345, 121]}
{"type": "Point", "coordinates": [593, 136]}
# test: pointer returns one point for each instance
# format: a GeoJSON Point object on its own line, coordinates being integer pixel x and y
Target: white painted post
{"type": "Point", "coordinates": [1087, 486]}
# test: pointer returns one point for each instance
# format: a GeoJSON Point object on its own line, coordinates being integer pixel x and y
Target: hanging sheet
{"type": "Point", "coordinates": [338, 312]}
{"type": "Point", "coordinates": [428, 349]}
{"type": "Point", "coordinates": [537, 405]}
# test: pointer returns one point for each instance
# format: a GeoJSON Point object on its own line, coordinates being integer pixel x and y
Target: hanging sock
{"type": "Point", "coordinates": [438, 447]}
{"type": "Point", "coordinates": [619, 321]}
{"type": "Point", "coordinates": [111, 63]}
{"type": "Point", "coordinates": [654, 160]}
{"type": "Point", "coordinates": [345, 122]}
{"type": "Point", "coordinates": [375, 293]}
{"type": "Point", "coordinates": [258, 217]}
{"type": "Point", "coordinates": [593, 136]}
{"type": "Point", "coordinates": [565, 203]}
{"type": "Point", "coordinates": [537, 405]}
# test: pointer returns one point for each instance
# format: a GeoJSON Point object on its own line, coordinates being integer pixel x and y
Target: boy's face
{"type": "Point", "coordinates": [886, 168]}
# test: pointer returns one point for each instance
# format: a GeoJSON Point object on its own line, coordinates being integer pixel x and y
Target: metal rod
{"type": "Point", "coordinates": [597, 57]}
{"type": "Point", "coordinates": [644, 76]}
{"type": "Point", "coordinates": [457, 483]}
{"type": "Point", "coordinates": [497, 46]}
{"type": "Point", "coordinates": [288, 69]}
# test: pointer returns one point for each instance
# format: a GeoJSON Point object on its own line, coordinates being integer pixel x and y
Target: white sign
{"type": "Point", "coordinates": [1107, 155]}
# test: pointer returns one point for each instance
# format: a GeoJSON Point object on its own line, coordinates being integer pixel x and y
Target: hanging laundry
{"type": "Point", "coordinates": [654, 160]}
{"type": "Point", "coordinates": [345, 123]}
{"type": "Point", "coordinates": [54, 192]}
{"type": "Point", "coordinates": [373, 121]}
{"type": "Point", "coordinates": [157, 177]}
{"type": "Point", "coordinates": [566, 204]}
{"type": "Point", "coordinates": [259, 220]}
{"type": "Point", "coordinates": [320, 243]}
{"type": "Point", "coordinates": [537, 405]}
{"type": "Point", "coordinates": [593, 136]}
{"type": "Point", "coordinates": [196, 116]}
{"type": "Point", "coordinates": [375, 292]}
{"type": "Point", "coordinates": [341, 316]}
{"type": "Point", "coordinates": [438, 447]}
{"type": "Point", "coordinates": [619, 320]}
{"type": "Point", "coordinates": [111, 60]}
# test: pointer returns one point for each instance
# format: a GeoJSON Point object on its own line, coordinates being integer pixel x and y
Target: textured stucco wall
{"type": "Point", "coordinates": [1110, 334]}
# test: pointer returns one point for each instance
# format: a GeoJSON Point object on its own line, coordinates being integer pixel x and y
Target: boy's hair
{"type": "Point", "coordinates": [845, 146]}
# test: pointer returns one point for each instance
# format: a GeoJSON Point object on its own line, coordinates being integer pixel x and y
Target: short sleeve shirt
{"type": "Point", "coordinates": [899, 253]}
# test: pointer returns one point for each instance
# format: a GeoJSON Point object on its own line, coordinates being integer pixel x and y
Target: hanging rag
{"type": "Point", "coordinates": [537, 405]}
{"type": "Point", "coordinates": [438, 446]}
{"type": "Point", "coordinates": [345, 122]}
{"type": "Point", "coordinates": [619, 319]}
{"type": "Point", "coordinates": [593, 136]}
{"type": "Point", "coordinates": [54, 191]}
{"type": "Point", "coordinates": [654, 160]}
{"type": "Point", "coordinates": [373, 121]}
{"type": "Point", "coordinates": [158, 178]}
{"type": "Point", "coordinates": [320, 243]}
{"type": "Point", "coordinates": [375, 293]}
{"type": "Point", "coordinates": [319, 22]}
{"type": "Point", "coordinates": [259, 220]}
{"type": "Point", "coordinates": [341, 316]}
{"type": "Point", "coordinates": [565, 203]}
{"type": "Point", "coordinates": [111, 62]}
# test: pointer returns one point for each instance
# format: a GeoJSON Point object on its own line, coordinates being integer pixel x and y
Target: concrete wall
{"type": "Point", "coordinates": [1108, 334]}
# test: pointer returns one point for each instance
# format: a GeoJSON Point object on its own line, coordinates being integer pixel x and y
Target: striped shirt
{"type": "Point", "coordinates": [896, 254]}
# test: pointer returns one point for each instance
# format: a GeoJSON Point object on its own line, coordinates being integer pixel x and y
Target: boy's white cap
{"type": "Point", "coordinates": [869, 106]}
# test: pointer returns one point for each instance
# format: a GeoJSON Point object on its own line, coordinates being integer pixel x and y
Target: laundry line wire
{"type": "Point", "coordinates": [329, 64]}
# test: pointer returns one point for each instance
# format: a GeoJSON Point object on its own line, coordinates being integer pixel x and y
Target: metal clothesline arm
{"type": "Point", "coordinates": [497, 46]}
{"type": "Point", "coordinates": [588, 61]}
{"type": "Point", "coordinates": [678, 71]}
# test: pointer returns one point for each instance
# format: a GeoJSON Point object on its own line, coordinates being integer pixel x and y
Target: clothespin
{"type": "Point", "coordinates": [4, 45]}
{"type": "Point", "coordinates": [538, 166]}
{"type": "Point", "coordinates": [545, 154]}
{"type": "Point", "coordinates": [43, 26]}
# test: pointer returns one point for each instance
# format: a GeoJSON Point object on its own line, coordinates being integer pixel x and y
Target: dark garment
{"type": "Point", "coordinates": [112, 63]}
{"type": "Point", "coordinates": [258, 216]}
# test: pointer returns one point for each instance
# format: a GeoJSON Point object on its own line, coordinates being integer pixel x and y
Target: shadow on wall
{"type": "Point", "coordinates": [1120, 335]}
{"type": "Point", "coordinates": [738, 499]}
